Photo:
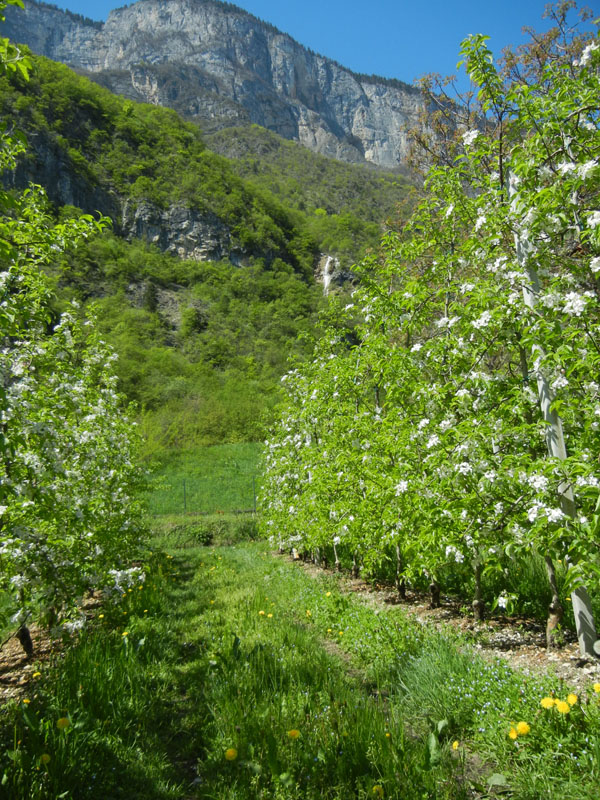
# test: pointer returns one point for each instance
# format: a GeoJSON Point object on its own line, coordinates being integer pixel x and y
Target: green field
{"type": "Point", "coordinates": [207, 480]}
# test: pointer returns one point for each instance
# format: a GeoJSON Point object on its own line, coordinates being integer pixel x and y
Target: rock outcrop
{"type": "Point", "coordinates": [216, 63]}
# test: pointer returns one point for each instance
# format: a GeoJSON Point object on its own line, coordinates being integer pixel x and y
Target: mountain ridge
{"type": "Point", "coordinates": [219, 65]}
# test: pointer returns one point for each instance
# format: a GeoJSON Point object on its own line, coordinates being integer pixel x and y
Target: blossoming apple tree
{"type": "Point", "coordinates": [67, 475]}
{"type": "Point", "coordinates": [430, 437]}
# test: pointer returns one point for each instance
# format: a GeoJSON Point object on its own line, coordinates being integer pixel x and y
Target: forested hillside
{"type": "Point", "coordinates": [208, 276]}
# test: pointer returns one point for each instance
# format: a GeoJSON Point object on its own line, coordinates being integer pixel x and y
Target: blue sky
{"type": "Point", "coordinates": [392, 38]}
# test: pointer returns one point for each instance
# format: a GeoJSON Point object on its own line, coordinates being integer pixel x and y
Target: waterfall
{"type": "Point", "coordinates": [330, 265]}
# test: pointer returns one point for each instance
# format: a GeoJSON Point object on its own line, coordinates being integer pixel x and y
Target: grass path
{"type": "Point", "coordinates": [222, 677]}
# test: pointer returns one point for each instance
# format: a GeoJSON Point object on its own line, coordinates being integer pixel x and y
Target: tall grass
{"type": "Point", "coordinates": [233, 675]}
{"type": "Point", "coordinates": [222, 478]}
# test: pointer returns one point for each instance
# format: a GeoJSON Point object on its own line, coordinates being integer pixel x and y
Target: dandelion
{"type": "Point", "coordinates": [523, 728]}
{"type": "Point", "coordinates": [269, 616]}
{"type": "Point", "coordinates": [308, 613]}
{"type": "Point", "coordinates": [294, 734]}
{"type": "Point", "coordinates": [596, 688]}
{"type": "Point", "coordinates": [231, 754]}
{"type": "Point", "coordinates": [377, 790]}
{"type": "Point", "coordinates": [513, 733]}
{"type": "Point", "coordinates": [455, 744]}
{"type": "Point", "coordinates": [388, 735]}
{"type": "Point", "coordinates": [562, 707]}
{"type": "Point", "coordinates": [327, 594]}
{"type": "Point", "coordinates": [63, 723]}
{"type": "Point", "coordinates": [547, 702]}
{"type": "Point", "coordinates": [100, 616]}
{"type": "Point", "coordinates": [341, 633]}
{"type": "Point", "coordinates": [125, 633]}
{"type": "Point", "coordinates": [36, 675]}
{"type": "Point", "coordinates": [572, 699]}
{"type": "Point", "coordinates": [26, 700]}
{"type": "Point", "coordinates": [261, 613]}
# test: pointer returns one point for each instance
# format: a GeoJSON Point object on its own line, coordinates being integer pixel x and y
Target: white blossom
{"type": "Point", "coordinates": [575, 303]}
{"type": "Point", "coordinates": [455, 553]}
{"type": "Point", "coordinates": [587, 54]}
{"type": "Point", "coordinates": [554, 514]}
{"type": "Point", "coordinates": [538, 482]}
{"type": "Point", "coordinates": [593, 219]}
{"type": "Point", "coordinates": [483, 320]}
{"type": "Point", "coordinates": [584, 170]}
{"type": "Point", "coordinates": [469, 137]}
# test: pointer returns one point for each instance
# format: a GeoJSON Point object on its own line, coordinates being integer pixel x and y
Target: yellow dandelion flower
{"type": "Point", "coordinates": [455, 744]}
{"type": "Point", "coordinates": [100, 616]}
{"type": "Point", "coordinates": [36, 674]}
{"type": "Point", "coordinates": [308, 613]}
{"type": "Point", "coordinates": [523, 728]}
{"type": "Point", "coordinates": [513, 733]}
{"type": "Point", "coordinates": [341, 633]}
{"type": "Point", "coordinates": [270, 616]}
{"type": "Point", "coordinates": [547, 702]}
{"type": "Point", "coordinates": [212, 602]}
{"type": "Point", "coordinates": [572, 699]}
{"type": "Point", "coordinates": [63, 723]}
{"type": "Point", "coordinates": [388, 735]}
{"type": "Point", "coordinates": [45, 758]}
{"type": "Point", "coordinates": [562, 707]}
{"type": "Point", "coordinates": [26, 700]}
{"type": "Point", "coordinates": [377, 790]}
{"type": "Point", "coordinates": [294, 734]}
{"type": "Point", "coordinates": [125, 633]}
{"type": "Point", "coordinates": [261, 613]}
{"type": "Point", "coordinates": [327, 594]}
{"type": "Point", "coordinates": [231, 754]}
{"type": "Point", "coordinates": [145, 611]}
{"type": "Point", "coordinates": [329, 630]}
{"type": "Point", "coordinates": [596, 688]}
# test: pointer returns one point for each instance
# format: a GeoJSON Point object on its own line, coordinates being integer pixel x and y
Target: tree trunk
{"type": "Point", "coordinates": [338, 564]}
{"type": "Point", "coordinates": [400, 582]}
{"type": "Point", "coordinates": [434, 589]}
{"type": "Point", "coordinates": [24, 638]}
{"type": "Point", "coordinates": [555, 610]}
{"type": "Point", "coordinates": [478, 604]}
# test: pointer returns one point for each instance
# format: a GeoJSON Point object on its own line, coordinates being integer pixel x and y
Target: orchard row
{"type": "Point", "coordinates": [68, 516]}
{"type": "Point", "coordinates": [448, 429]}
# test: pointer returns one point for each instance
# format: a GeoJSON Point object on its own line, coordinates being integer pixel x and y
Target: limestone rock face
{"type": "Point", "coordinates": [219, 64]}
{"type": "Point", "coordinates": [182, 231]}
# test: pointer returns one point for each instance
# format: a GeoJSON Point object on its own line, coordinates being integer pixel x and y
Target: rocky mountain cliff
{"type": "Point", "coordinates": [222, 66]}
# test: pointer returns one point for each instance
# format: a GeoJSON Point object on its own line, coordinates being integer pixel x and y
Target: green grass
{"type": "Point", "coordinates": [179, 674]}
{"type": "Point", "coordinates": [229, 651]}
{"type": "Point", "coordinates": [222, 478]}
